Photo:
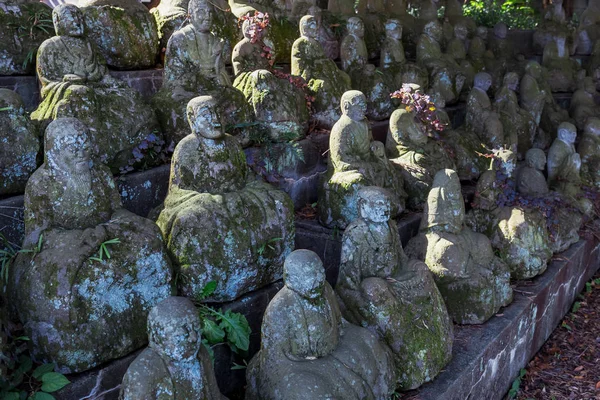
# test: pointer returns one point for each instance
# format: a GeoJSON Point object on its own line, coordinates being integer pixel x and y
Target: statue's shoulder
{"type": "Point", "coordinates": [147, 378]}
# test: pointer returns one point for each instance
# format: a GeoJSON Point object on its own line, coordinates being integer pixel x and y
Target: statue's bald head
{"type": "Point", "coordinates": [200, 12]}
{"type": "Point", "coordinates": [567, 132]}
{"type": "Point", "coordinates": [203, 117]}
{"type": "Point", "coordinates": [483, 81]}
{"type": "Point", "coordinates": [354, 105]}
{"type": "Point", "coordinates": [66, 146]}
{"type": "Point", "coordinates": [308, 26]}
{"type": "Point", "coordinates": [374, 204]}
{"type": "Point", "coordinates": [434, 30]}
{"type": "Point", "coordinates": [536, 158]}
{"type": "Point", "coordinates": [303, 273]}
{"type": "Point", "coordinates": [68, 20]}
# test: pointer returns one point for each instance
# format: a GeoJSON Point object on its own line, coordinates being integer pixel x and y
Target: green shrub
{"type": "Point", "coordinates": [516, 14]}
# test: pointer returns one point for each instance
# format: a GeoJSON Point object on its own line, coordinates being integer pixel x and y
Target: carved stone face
{"type": "Point", "coordinates": [200, 15]}
{"type": "Point", "coordinates": [500, 30]}
{"type": "Point", "coordinates": [460, 32]}
{"type": "Point", "coordinates": [246, 30]}
{"type": "Point", "coordinates": [434, 31]}
{"type": "Point", "coordinates": [203, 117]}
{"type": "Point", "coordinates": [536, 158]}
{"type": "Point", "coordinates": [356, 27]}
{"type": "Point", "coordinates": [374, 205]}
{"type": "Point", "coordinates": [68, 20]}
{"type": "Point", "coordinates": [511, 80]}
{"type": "Point", "coordinates": [308, 26]}
{"type": "Point", "coordinates": [482, 32]}
{"type": "Point", "coordinates": [174, 329]}
{"type": "Point", "coordinates": [567, 132]}
{"type": "Point", "coordinates": [67, 147]}
{"type": "Point", "coordinates": [483, 81]}
{"type": "Point", "coordinates": [534, 69]}
{"type": "Point", "coordinates": [592, 127]}
{"type": "Point", "coordinates": [393, 29]}
{"type": "Point", "coordinates": [304, 274]}
{"type": "Point", "coordinates": [354, 105]}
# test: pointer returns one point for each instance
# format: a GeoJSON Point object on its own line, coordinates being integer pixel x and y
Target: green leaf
{"type": "Point", "coordinates": [209, 289]}
{"type": "Point", "coordinates": [212, 332]}
{"type": "Point", "coordinates": [11, 396]}
{"type": "Point", "coordinates": [209, 349]}
{"type": "Point", "coordinates": [43, 396]}
{"type": "Point", "coordinates": [25, 364]}
{"type": "Point", "coordinates": [53, 381]}
{"type": "Point", "coordinates": [576, 307]}
{"type": "Point", "coordinates": [238, 330]}
{"type": "Point", "coordinates": [42, 369]}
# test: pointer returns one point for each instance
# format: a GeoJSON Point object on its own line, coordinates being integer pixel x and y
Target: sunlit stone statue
{"type": "Point", "coordinates": [589, 28]}
{"type": "Point", "coordinates": [473, 281]}
{"type": "Point", "coordinates": [325, 80]}
{"type": "Point", "coordinates": [381, 289]}
{"type": "Point", "coordinates": [375, 84]}
{"type": "Point", "coordinates": [84, 292]}
{"type": "Point", "coordinates": [583, 103]}
{"type": "Point", "coordinates": [519, 236]}
{"type": "Point", "coordinates": [355, 160]}
{"type": "Point", "coordinates": [308, 351]}
{"type": "Point", "coordinates": [589, 150]}
{"type": "Point", "coordinates": [279, 107]}
{"type": "Point", "coordinates": [481, 118]}
{"type": "Point", "coordinates": [219, 222]}
{"type": "Point", "coordinates": [19, 144]}
{"type": "Point", "coordinates": [445, 74]}
{"type": "Point", "coordinates": [123, 30]}
{"type": "Point", "coordinates": [75, 83]}
{"type": "Point", "coordinates": [175, 365]}
{"type": "Point", "coordinates": [417, 156]}
{"type": "Point", "coordinates": [563, 72]}
{"type": "Point", "coordinates": [195, 65]}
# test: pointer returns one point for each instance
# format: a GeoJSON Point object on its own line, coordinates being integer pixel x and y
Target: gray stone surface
{"type": "Point", "coordinates": [25, 86]}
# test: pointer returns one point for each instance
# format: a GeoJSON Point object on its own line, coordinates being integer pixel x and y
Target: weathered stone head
{"type": "Point", "coordinates": [393, 29]}
{"type": "Point", "coordinates": [374, 204]}
{"type": "Point", "coordinates": [174, 329]}
{"type": "Point", "coordinates": [483, 81]}
{"type": "Point", "coordinates": [403, 126]}
{"type": "Point", "coordinates": [203, 117]}
{"type": "Point", "coordinates": [356, 27]}
{"type": "Point", "coordinates": [304, 274]}
{"type": "Point", "coordinates": [309, 26]}
{"type": "Point", "coordinates": [68, 20]}
{"type": "Point", "coordinates": [434, 31]}
{"type": "Point", "coordinates": [536, 158]}
{"type": "Point", "coordinates": [567, 132]}
{"type": "Point", "coordinates": [500, 30]}
{"type": "Point", "coordinates": [482, 32]}
{"type": "Point", "coordinates": [505, 162]}
{"type": "Point", "coordinates": [354, 105]}
{"type": "Point", "coordinates": [592, 127]}
{"type": "Point", "coordinates": [445, 207]}
{"type": "Point", "coordinates": [66, 147]}
{"type": "Point", "coordinates": [461, 31]}
{"type": "Point", "coordinates": [534, 69]}
{"type": "Point", "coordinates": [511, 81]}
{"type": "Point", "coordinates": [200, 12]}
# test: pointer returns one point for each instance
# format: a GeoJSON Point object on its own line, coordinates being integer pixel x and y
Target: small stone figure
{"type": "Point", "coordinates": [445, 75]}
{"type": "Point", "coordinates": [84, 294]}
{"type": "Point", "coordinates": [123, 30]}
{"type": "Point", "coordinates": [589, 150]}
{"type": "Point", "coordinates": [418, 156]}
{"type": "Point", "coordinates": [553, 25]}
{"type": "Point", "coordinates": [169, 15]}
{"type": "Point", "coordinates": [519, 236]}
{"type": "Point", "coordinates": [477, 54]}
{"type": "Point", "coordinates": [589, 28]}
{"type": "Point", "coordinates": [326, 81]}
{"type": "Point", "coordinates": [376, 85]}
{"type": "Point", "coordinates": [279, 107]}
{"type": "Point", "coordinates": [583, 103]}
{"type": "Point", "coordinates": [428, 10]}
{"type": "Point", "coordinates": [457, 49]}
{"type": "Point", "coordinates": [380, 289]}
{"type": "Point", "coordinates": [19, 144]}
{"type": "Point", "coordinates": [531, 181]}
{"type": "Point", "coordinates": [194, 65]}
{"type": "Point", "coordinates": [473, 281]}
{"type": "Point", "coordinates": [532, 97]}
{"type": "Point", "coordinates": [563, 72]}
{"type": "Point", "coordinates": [355, 160]}
{"type": "Point", "coordinates": [308, 351]}
{"type": "Point", "coordinates": [499, 45]}
{"type": "Point", "coordinates": [220, 224]}
{"type": "Point", "coordinates": [481, 119]}
{"type": "Point", "coordinates": [175, 365]}
{"type": "Point", "coordinates": [75, 83]}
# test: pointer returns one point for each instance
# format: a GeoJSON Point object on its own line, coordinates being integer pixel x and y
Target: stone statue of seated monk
{"type": "Point", "coordinates": [375, 84]}
{"type": "Point", "coordinates": [473, 281]}
{"type": "Point", "coordinates": [355, 160]}
{"type": "Point", "coordinates": [589, 150]}
{"type": "Point", "coordinates": [589, 28]}
{"type": "Point", "coordinates": [279, 107]}
{"type": "Point", "coordinates": [96, 295]}
{"type": "Point", "coordinates": [518, 235]}
{"type": "Point", "coordinates": [195, 65]}
{"type": "Point", "coordinates": [326, 82]}
{"type": "Point", "coordinates": [308, 351]}
{"type": "Point", "coordinates": [481, 119]}
{"type": "Point", "coordinates": [477, 53]}
{"type": "Point", "coordinates": [552, 25]}
{"type": "Point", "coordinates": [445, 74]}
{"type": "Point", "coordinates": [221, 224]}
{"type": "Point", "coordinates": [175, 365]}
{"type": "Point", "coordinates": [531, 181]}
{"type": "Point", "coordinates": [563, 72]}
{"type": "Point", "coordinates": [417, 156]}
{"type": "Point", "coordinates": [380, 289]}
{"type": "Point", "coordinates": [76, 83]}
{"type": "Point", "coordinates": [583, 103]}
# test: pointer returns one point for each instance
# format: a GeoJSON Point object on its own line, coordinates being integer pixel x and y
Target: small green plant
{"type": "Point", "coordinates": [576, 307]}
{"type": "Point", "coordinates": [566, 326]}
{"type": "Point", "coordinates": [220, 327]}
{"type": "Point", "coordinates": [276, 157]}
{"type": "Point", "coordinates": [5, 108]}
{"type": "Point", "coordinates": [268, 244]}
{"type": "Point", "coordinates": [103, 251]}
{"type": "Point", "coordinates": [516, 14]}
{"type": "Point", "coordinates": [514, 390]}
{"type": "Point", "coordinates": [8, 253]}
{"type": "Point", "coordinates": [588, 288]}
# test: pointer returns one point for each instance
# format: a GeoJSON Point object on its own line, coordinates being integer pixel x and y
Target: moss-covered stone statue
{"type": "Point", "coordinates": [123, 30]}
{"type": "Point", "coordinates": [474, 282]}
{"type": "Point", "coordinates": [95, 269]}
{"type": "Point", "coordinates": [75, 83]}
{"type": "Point", "coordinates": [308, 351]}
{"type": "Point", "coordinates": [481, 119]}
{"type": "Point", "coordinates": [583, 103]}
{"type": "Point", "coordinates": [554, 24]}
{"type": "Point", "coordinates": [477, 52]}
{"type": "Point", "coordinates": [589, 150]}
{"type": "Point", "coordinates": [518, 235]}
{"type": "Point", "coordinates": [531, 181]}
{"type": "Point", "coordinates": [19, 144]}
{"type": "Point", "coordinates": [326, 82]}
{"type": "Point", "coordinates": [175, 365]}
{"type": "Point", "coordinates": [375, 84]}
{"type": "Point", "coordinates": [457, 49]}
{"type": "Point", "coordinates": [21, 34]}
{"type": "Point", "coordinates": [417, 156]}
{"type": "Point", "coordinates": [355, 161]}
{"type": "Point", "coordinates": [446, 77]}
{"type": "Point", "coordinates": [220, 224]}
{"type": "Point", "coordinates": [563, 72]}
{"type": "Point", "coordinates": [589, 28]}
{"type": "Point", "coordinates": [381, 289]}
{"type": "Point", "coordinates": [194, 66]}
{"type": "Point", "coordinates": [279, 107]}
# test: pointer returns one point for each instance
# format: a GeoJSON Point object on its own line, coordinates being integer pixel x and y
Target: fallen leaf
{"type": "Point", "coordinates": [579, 368]}
{"type": "Point", "coordinates": [598, 385]}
